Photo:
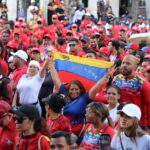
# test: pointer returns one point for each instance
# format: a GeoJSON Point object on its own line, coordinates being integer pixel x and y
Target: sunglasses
{"type": "Point", "coordinates": [19, 119]}
{"type": "Point", "coordinates": [69, 34]}
{"type": "Point", "coordinates": [72, 45]}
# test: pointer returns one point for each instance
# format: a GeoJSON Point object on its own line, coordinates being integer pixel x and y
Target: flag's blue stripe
{"type": "Point", "coordinates": [91, 73]}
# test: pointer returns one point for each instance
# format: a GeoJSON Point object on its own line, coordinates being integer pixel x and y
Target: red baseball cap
{"type": "Point", "coordinates": [4, 107]}
{"type": "Point", "coordinates": [35, 49]}
{"type": "Point", "coordinates": [12, 45]}
{"type": "Point", "coordinates": [16, 32]}
{"type": "Point", "coordinates": [105, 50]}
{"type": "Point", "coordinates": [47, 35]}
{"type": "Point", "coordinates": [100, 23]}
{"type": "Point", "coordinates": [17, 25]}
{"type": "Point", "coordinates": [24, 25]}
{"type": "Point", "coordinates": [147, 68]}
{"type": "Point", "coordinates": [20, 19]}
{"type": "Point", "coordinates": [55, 16]}
{"type": "Point", "coordinates": [135, 46]}
{"type": "Point", "coordinates": [89, 26]}
{"type": "Point", "coordinates": [40, 20]}
{"type": "Point", "coordinates": [147, 56]}
{"type": "Point", "coordinates": [75, 25]}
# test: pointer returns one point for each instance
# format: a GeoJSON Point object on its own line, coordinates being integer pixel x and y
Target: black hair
{"type": "Point", "coordinates": [64, 134]}
{"type": "Point", "coordinates": [6, 31]}
{"type": "Point", "coordinates": [115, 43]}
{"type": "Point", "coordinates": [60, 41]}
{"type": "Point", "coordinates": [74, 40]}
{"type": "Point", "coordinates": [115, 87]}
{"type": "Point", "coordinates": [141, 54]}
{"type": "Point", "coordinates": [56, 102]}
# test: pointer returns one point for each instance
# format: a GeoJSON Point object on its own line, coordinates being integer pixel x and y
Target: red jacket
{"type": "Point", "coordinates": [31, 142]}
{"type": "Point", "coordinates": [7, 136]}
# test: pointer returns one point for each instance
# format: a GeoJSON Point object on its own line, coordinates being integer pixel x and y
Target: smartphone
{"type": "Point", "coordinates": [105, 141]}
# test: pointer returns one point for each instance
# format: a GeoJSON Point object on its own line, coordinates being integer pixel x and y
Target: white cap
{"type": "Point", "coordinates": [21, 54]}
{"type": "Point", "coordinates": [10, 59]}
{"type": "Point", "coordinates": [32, 1]}
{"type": "Point", "coordinates": [35, 63]}
{"type": "Point", "coordinates": [3, 1]}
{"type": "Point", "coordinates": [87, 14]}
{"type": "Point", "coordinates": [131, 110]}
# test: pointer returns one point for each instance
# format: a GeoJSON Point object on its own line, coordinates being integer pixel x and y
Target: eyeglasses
{"type": "Point", "coordinates": [19, 119]}
{"type": "Point", "coordinates": [72, 45]}
{"type": "Point", "coordinates": [54, 18]}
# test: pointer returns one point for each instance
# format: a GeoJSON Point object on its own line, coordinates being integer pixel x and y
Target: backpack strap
{"type": "Point", "coordinates": [39, 142]}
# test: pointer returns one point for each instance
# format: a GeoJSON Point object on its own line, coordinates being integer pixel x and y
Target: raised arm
{"type": "Point", "coordinates": [44, 67]}
{"type": "Point", "coordinates": [54, 75]}
{"type": "Point", "coordinates": [93, 91]}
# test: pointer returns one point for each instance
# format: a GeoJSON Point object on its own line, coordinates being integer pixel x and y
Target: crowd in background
{"type": "Point", "coordinates": [39, 111]}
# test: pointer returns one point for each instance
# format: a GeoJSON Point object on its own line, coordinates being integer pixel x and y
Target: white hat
{"type": "Point", "coordinates": [10, 59]}
{"type": "Point", "coordinates": [87, 14]}
{"type": "Point", "coordinates": [32, 1]}
{"type": "Point", "coordinates": [35, 63]}
{"type": "Point", "coordinates": [3, 1]}
{"type": "Point", "coordinates": [21, 54]}
{"type": "Point", "coordinates": [131, 110]}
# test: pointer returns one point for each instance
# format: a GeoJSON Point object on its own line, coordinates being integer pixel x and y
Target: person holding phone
{"type": "Point", "coordinates": [129, 135]}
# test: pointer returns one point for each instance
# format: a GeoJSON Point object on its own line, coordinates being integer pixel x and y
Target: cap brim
{"type": "Point", "coordinates": [12, 53]}
{"type": "Point", "coordinates": [127, 47]}
{"type": "Point", "coordinates": [17, 112]}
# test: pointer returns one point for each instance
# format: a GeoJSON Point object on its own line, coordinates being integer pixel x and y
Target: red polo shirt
{"type": "Point", "coordinates": [7, 136]}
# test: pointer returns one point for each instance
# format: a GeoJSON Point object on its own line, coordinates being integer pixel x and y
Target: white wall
{"type": "Point", "coordinates": [12, 9]}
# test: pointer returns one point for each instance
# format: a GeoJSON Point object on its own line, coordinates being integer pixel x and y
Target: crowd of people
{"type": "Point", "coordinates": [39, 111]}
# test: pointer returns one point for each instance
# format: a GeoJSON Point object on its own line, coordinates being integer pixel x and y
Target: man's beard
{"type": "Point", "coordinates": [126, 72]}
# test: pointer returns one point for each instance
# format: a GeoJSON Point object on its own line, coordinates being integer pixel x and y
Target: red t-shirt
{"type": "Point", "coordinates": [7, 136]}
{"type": "Point", "coordinates": [17, 74]}
{"type": "Point", "coordinates": [59, 124]}
{"type": "Point", "coordinates": [92, 137]}
{"type": "Point", "coordinates": [4, 66]}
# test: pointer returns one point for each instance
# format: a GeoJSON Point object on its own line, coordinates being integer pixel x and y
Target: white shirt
{"type": "Point", "coordinates": [78, 15]}
{"type": "Point", "coordinates": [29, 14]}
{"type": "Point", "coordinates": [142, 143]}
{"type": "Point", "coordinates": [113, 113]}
{"type": "Point", "coordinates": [28, 88]}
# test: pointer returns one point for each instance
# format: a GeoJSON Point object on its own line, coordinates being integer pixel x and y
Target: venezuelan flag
{"type": "Point", "coordinates": [86, 70]}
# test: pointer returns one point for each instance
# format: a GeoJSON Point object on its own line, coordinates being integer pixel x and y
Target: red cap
{"type": "Point", "coordinates": [75, 25]}
{"type": "Point", "coordinates": [135, 46]}
{"type": "Point", "coordinates": [147, 68]}
{"type": "Point", "coordinates": [105, 50]}
{"type": "Point", "coordinates": [35, 49]}
{"type": "Point", "coordinates": [101, 30]}
{"type": "Point", "coordinates": [20, 19]}
{"type": "Point", "coordinates": [24, 25]}
{"type": "Point", "coordinates": [16, 32]}
{"type": "Point", "coordinates": [47, 35]}
{"type": "Point", "coordinates": [55, 16]}
{"type": "Point", "coordinates": [148, 50]}
{"type": "Point", "coordinates": [147, 56]}
{"type": "Point", "coordinates": [69, 31]}
{"type": "Point", "coordinates": [40, 20]}
{"type": "Point", "coordinates": [100, 23]}
{"type": "Point", "coordinates": [12, 45]}
{"type": "Point", "coordinates": [17, 24]}
{"type": "Point", "coordinates": [4, 107]}
{"type": "Point", "coordinates": [2, 21]}
{"type": "Point", "coordinates": [135, 29]}
{"type": "Point", "coordinates": [89, 26]}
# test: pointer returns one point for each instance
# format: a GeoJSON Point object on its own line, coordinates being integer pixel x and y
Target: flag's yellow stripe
{"type": "Point", "coordinates": [81, 60]}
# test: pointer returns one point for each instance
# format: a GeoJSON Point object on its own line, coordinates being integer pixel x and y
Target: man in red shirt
{"type": "Point", "coordinates": [19, 61]}
{"type": "Point", "coordinates": [135, 89]}
{"type": "Point", "coordinates": [7, 127]}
